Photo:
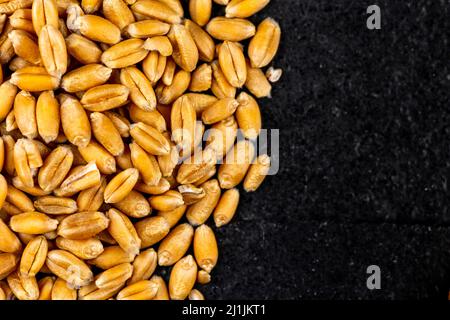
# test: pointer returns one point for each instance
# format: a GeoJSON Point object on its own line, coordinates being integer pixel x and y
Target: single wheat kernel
{"type": "Point", "coordinates": [226, 207]}
{"type": "Point", "coordinates": [182, 278]}
{"type": "Point", "coordinates": [274, 75]}
{"type": "Point", "coordinates": [205, 248]}
{"type": "Point", "coordinates": [203, 277]}
{"type": "Point", "coordinates": [196, 295]}
{"type": "Point", "coordinates": [61, 290]}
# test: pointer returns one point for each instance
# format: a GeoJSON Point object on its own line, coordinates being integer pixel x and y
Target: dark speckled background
{"type": "Point", "coordinates": [365, 159]}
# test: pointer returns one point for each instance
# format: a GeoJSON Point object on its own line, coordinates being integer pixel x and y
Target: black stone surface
{"type": "Point", "coordinates": [365, 159]}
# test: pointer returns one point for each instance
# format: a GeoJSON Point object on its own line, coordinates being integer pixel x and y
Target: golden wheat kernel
{"type": "Point", "coordinates": [124, 54]}
{"type": "Point", "coordinates": [196, 295]}
{"type": "Point", "coordinates": [175, 244]}
{"type": "Point", "coordinates": [83, 225]}
{"type": "Point", "coordinates": [25, 114]}
{"type": "Point", "coordinates": [91, 292]}
{"type": "Point", "coordinates": [18, 63]}
{"type": "Point", "coordinates": [222, 136]}
{"type": "Point", "coordinates": [244, 8]}
{"type": "Point", "coordinates": [199, 212]}
{"type": "Point", "coordinates": [143, 266]}
{"type": "Point", "coordinates": [98, 29]}
{"type": "Point", "coordinates": [91, 6]}
{"type": "Point", "coordinates": [9, 242]}
{"type": "Point", "coordinates": [124, 160]}
{"type": "Point", "coordinates": [55, 205]}
{"type": "Point", "coordinates": [191, 194]}
{"type": "Point", "coordinates": [152, 118]}
{"type": "Point", "coordinates": [161, 44]}
{"type": "Point", "coordinates": [55, 168]}
{"type": "Point", "coordinates": [75, 122]}
{"type": "Point", "coordinates": [182, 278]}
{"type": "Point", "coordinates": [196, 167]}
{"type": "Point", "coordinates": [248, 116]}
{"type": "Point", "coordinates": [162, 186]}
{"type": "Point", "coordinates": [91, 199]}
{"type": "Point", "coordinates": [24, 287]}
{"type": "Point", "coordinates": [257, 173]}
{"type": "Point", "coordinates": [84, 50]}
{"type": "Point", "coordinates": [47, 116]}
{"type": "Point", "coordinates": [226, 208]}
{"type": "Point", "coordinates": [85, 77]}
{"type": "Point", "coordinates": [2, 156]}
{"type": "Point", "coordinates": [257, 82]}
{"type": "Point", "coordinates": [141, 90]}
{"type": "Point", "coordinates": [156, 10]}
{"type": "Point", "coordinates": [110, 257]}
{"type": "Point", "coordinates": [264, 45]}
{"type": "Point", "coordinates": [19, 200]}
{"type": "Point", "coordinates": [79, 178]}
{"type": "Point", "coordinates": [105, 97]}
{"type": "Point", "coordinates": [27, 160]}
{"type": "Point", "coordinates": [200, 11]}
{"type": "Point", "coordinates": [33, 256]}
{"type": "Point", "coordinates": [123, 231]}
{"type": "Point", "coordinates": [220, 110]}
{"type": "Point", "coordinates": [118, 13]}
{"type": "Point", "coordinates": [8, 263]}
{"type": "Point", "coordinates": [3, 188]}
{"type": "Point", "coordinates": [185, 52]}
{"type": "Point", "coordinates": [8, 93]}
{"type": "Point", "coordinates": [68, 267]}
{"type": "Point", "coordinates": [25, 46]}
{"type": "Point", "coordinates": [121, 185]}
{"type": "Point", "coordinates": [203, 277]}
{"type": "Point", "coordinates": [44, 12]}
{"type": "Point", "coordinates": [3, 18]}
{"type": "Point", "coordinates": [168, 94]}
{"type": "Point", "coordinates": [134, 205]}
{"type": "Point", "coordinates": [152, 230]}
{"type": "Point", "coordinates": [106, 132]}
{"type": "Point", "coordinates": [232, 63]}
{"type": "Point", "coordinates": [146, 164]}
{"type": "Point", "coordinates": [33, 223]}
{"type": "Point", "coordinates": [183, 122]}
{"type": "Point", "coordinates": [20, 19]}
{"type": "Point", "coordinates": [45, 288]}
{"type": "Point", "coordinates": [6, 47]}
{"type": "Point", "coordinates": [175, 5]}
{"type": "Point", "coordinates": [154, 66]}
{"type": "Point", "coordinates": [169, 72]}
{"type": "Point", "coordinates": [220, 86]}
{"type": "Point", "coordinates": [235, 166]}
{"type": "Point", "coordinates": [63, 291]}
{"type": "Point", "coordinates": [147, 29]}
{"type": "Point", "coordinates": [115, 276]}
{"type": "Point", "coordinates": [94, 152]}
{"type": "Point", "coordinates": [141, 290]}
{"type": "Point", "coordinates": [168, 163]}
{"type": "Point", "coordinates": [201, 101]}
{"type": "Point", "coordinates": [201, 78]}
{"type": "Point", "coordinates": [150, 139]}
{"type": "Point", "coordinates": [52, 48]}
{"type": "Point", "coordinates": [167, 201]}
{"type": "Point", "coordinates": [230, 29]}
